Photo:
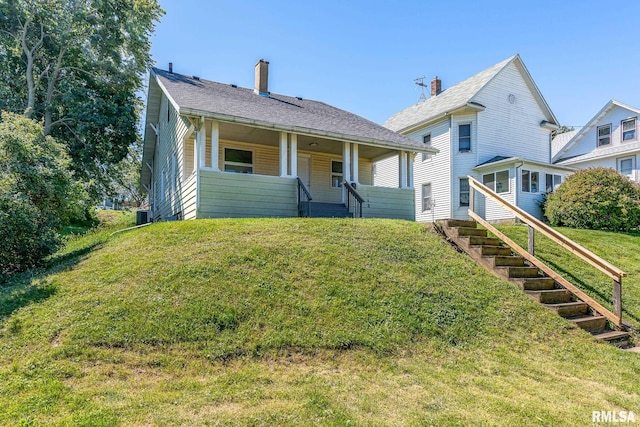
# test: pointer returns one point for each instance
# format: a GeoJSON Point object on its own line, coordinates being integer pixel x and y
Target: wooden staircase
{"type": "Point", "coordinates": [501, 261]}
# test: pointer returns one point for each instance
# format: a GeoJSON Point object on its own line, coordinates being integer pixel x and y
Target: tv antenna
{"type": "Point", "coordinates": [420, 82]}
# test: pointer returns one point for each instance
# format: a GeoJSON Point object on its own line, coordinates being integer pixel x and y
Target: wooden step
{"type": "Point", "coordinates": [468, 231]}
{"type": "Point", "coordinates": [570, 309]}
{"type": "Point", "coordinates": [507, 261]}
{"type": "Point", "coordinates": [611, 335]}
{"type": "Point", "coordinates": [590, 323]}
{"type": "Point", "coordinates": [633, 349]}
{"type": "Point", "coordinates": [550, 296]}
{"type": "Point", "coordinates": [534, 283]}
{"type": "Point", "coordinates": [460, 223]}
{"type": "Point", "coordinates": [517, 272]}
{"type": "Point", "coordinates": [487, 250]}
{"type": "Point", "coordinates": [480, 241]}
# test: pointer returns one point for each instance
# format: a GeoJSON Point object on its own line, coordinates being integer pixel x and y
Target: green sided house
{"type": "Point", "coordinates": [214, 150]}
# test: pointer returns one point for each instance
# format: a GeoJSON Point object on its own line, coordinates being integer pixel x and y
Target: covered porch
{"type": "Point", "coordinates": [237, 170]}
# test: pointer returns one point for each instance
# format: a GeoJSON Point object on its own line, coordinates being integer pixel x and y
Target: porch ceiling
{"type": "Point", "coordinates": [241, 133]}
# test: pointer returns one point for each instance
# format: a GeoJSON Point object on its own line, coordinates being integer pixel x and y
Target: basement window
{"type": "Point", "coordinates": [604, 135]}
{"type": "Point", "coordinates": [239, 161]}
{"type": "Point", "coordinates": [336, 173]}
{"type": "Point", "coordinates": [497, 181]}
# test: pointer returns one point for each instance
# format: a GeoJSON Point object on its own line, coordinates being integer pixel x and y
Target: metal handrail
{"type": "Point", "coordinates": [581, 252]}
{"type": "Point", "coordinates": [351, 192]}
{"type": "Point", "coordinates": [304, 207]}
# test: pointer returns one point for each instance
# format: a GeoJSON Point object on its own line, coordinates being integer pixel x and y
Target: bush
{"type": "Point", "coordinates": [37, 194]}
{"type": "Point", "coordinates": [595, 198]}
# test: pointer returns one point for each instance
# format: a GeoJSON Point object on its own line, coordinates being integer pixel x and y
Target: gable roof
{"type": "Point", "coordinates": [505, 161]}
{"type": "Point", "coordinates": [560, 140]}
{"type": "Point", "coordinates": [198, 97]}
{"type": "Point", "coordinates": [462, 95]}
{"type": "Point", "coordinates": [577, 136]}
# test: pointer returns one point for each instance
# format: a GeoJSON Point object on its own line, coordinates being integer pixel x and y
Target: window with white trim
{"type": "Point", "coordinates": [628, 129]}
{"type": "Point", "coordinates": [529, 181]}
{"type": "Point", "coordinates": [497, 181]}
{"type": "Point", "coordinates": [426, 140]}
{"type": "Point", "coordinates": [464, 137]}
{"type": "Point", "coordinates": [604, 135]}
{"type": "Point", "coordinates": [427, 200]}
{"type": "Point", "coordinates": [626, 166]}
{"type": "Point", "coordinates": [553, 182]}
{"type": "Point", "coordinates": [336, 173]}
{"type": "Point", "coordinates": [463, 193]}
{"type": "Point", "coordinates": [236, 160]}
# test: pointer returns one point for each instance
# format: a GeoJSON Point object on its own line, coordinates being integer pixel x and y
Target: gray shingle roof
{"type": "Point", "coordinates": [448, 100]}
{"type": "Point", "coordinates": [212, 99]}
{"type": "Point", "coordinates": [559, 141]}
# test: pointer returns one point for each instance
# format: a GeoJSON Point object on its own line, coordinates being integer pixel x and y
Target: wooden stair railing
{"type": "Point", "coordinates": [581, 252]}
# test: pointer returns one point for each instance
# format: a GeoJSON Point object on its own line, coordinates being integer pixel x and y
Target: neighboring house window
{"type": "Point", "coordinates": [427, 141]}
{"type": "Point", "coordinates": [464, 137]}
{"type": "Point", "coordinates": [553, 182]}
{"type": "Point", "coordinates": [336, 173]}
{"type": "Point", "coordinates": [604, 135]}
{"type": "Point", "coordinates": [427, 201]}
{"type": "Point", "coordinates": [530, 181]}
{"type": "Point", "coordinates": [498, 181]}
{"type": "Point", "coordinates": [625, 166]}
{"type": "Point", "coordinates": [240, 161]}
{"type": "Point", "coordinates": [464, 192]}
{"type": "Point", "coordinates": [629, 129]}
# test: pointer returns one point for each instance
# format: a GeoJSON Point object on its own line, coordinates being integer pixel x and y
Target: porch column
{"type": "Point", "coordinates": [203, 143]}
{"type": "Point", "coordinates": [215, 142]}
{"type": "Point", "coordinates": [294, 155]}
{"type": "Point", "coordinates": [354, 162]}
{"type": "Point", "coordinates": [410, 160]}
{"type": "Point", "coordinates": [283, 154]}
{"type": "Point", "coordinates": [402, 159]}
{"type": "Point", "coordinates": [346, 162]}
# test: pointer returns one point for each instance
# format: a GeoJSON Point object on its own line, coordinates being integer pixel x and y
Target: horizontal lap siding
{"type": "Point", "coordinates": [382, 202]}
{"type": "Point", "coordinates": [387, 172]}
{"type": "Point", "coordinates": [231, 195]}
{"type": "Point", "coordinates": [189, 198]}
{"type": "Point", "coordinates": [493, 211]}
{"type": "Point", "coordinates": [266, 159]}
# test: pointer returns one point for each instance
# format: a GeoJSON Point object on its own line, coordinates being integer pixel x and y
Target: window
{"type": "Point", "coordinates": [464, 192]}
{"type": "Point", "coordinates": [427, 141]}
{"type": "Point", "coordinates": [604, 135]}
{"type": "Point", "coordinates": [530, 181]}
{"type": "Point", "coordinates": [464, 137]}
{"type": "Point", "coordinates": [629, 129]}
{"type": "Point", "coordinates": [625, 166]}
{"type": "Point", "coordinates": [427, 201]}
{"type": "Point", "coordinates": [336, 173]}
{"type": "Point", "coordinates": [498, 181]}
{"type": "Point", "coordinates": [240, 161]}
{"type": "Point", "coordinates": [553, 181]}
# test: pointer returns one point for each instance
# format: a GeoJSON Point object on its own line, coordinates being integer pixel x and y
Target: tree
{"type": "Point", "coordinates": [76, 65]}
{"type": "Point", "coordinates": [562, 129]}
{"type": "Point", "coordinates": [595, 198]}
{"type": "Point", "coordinates": [38, 193]}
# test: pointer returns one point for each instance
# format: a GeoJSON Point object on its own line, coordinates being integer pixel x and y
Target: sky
{"type": "Point", "coordinates": [364, 56]}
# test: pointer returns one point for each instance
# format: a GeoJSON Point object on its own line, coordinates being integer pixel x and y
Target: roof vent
{"type": "Point", "coordinates": [233, 85]}
{"type": "Point", "coordinates": [299, 98]}
{"type": "Point", "coordinates": [261, 86]}
{"type": "Point", "coordinates": [196, 78]}
{"type": "Point", "coordinates": [171, 67]}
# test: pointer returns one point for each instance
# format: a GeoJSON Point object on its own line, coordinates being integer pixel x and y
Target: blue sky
{"type": "Point", "coordinates": [363, 56]}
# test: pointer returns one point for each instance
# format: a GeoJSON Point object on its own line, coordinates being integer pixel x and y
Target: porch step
{"type": "Point", "coordinates": [494, 256]}
{"type": "Point", "coordinates": [550, 296]}
{"type": "Point", "coordinates": [328, 210]}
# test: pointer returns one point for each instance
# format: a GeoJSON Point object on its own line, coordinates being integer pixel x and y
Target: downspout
{"type": "Point", "coordinates": [515, 194]}
{"type": "Point", "coordinates": [451, 177]}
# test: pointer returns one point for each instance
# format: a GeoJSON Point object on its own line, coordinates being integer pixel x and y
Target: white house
{"type": "Point", "coordinates": [610, 139]}
{"type": "Point", "coordinates": [218, 150]}
{"type": "Point", "coordinates": [494, 126]}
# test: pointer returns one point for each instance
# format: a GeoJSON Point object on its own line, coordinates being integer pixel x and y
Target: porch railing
{"type": "Point", "coordinates": [357, 199]}
{"type": "Point", "coordinates": [304, 197]}
{"type": "Point", "coordinates": [536, 225]}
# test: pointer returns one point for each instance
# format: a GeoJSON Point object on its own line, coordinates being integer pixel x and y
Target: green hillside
{"type": "Point", "coordinates": [288, 322]}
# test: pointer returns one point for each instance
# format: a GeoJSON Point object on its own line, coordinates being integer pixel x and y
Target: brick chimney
{"type": "Point", "coordinates": [262, 78]}
{"type": "Point", "coordinates": [436, 86]}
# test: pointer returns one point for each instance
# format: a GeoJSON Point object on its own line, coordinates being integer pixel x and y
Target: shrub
{"type": "Point", "coordinates": [595, 198]}
{"type": "Point", "coordinates": [37, 194]}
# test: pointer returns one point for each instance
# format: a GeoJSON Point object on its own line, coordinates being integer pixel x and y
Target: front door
{"type": "Point", "coordinates": [304, 170]}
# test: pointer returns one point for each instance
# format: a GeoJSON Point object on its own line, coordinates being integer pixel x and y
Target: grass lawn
{"type": "Point", "coordinates": [289, 322]}
{"type": "Point", "coordinates": [619, 249]}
